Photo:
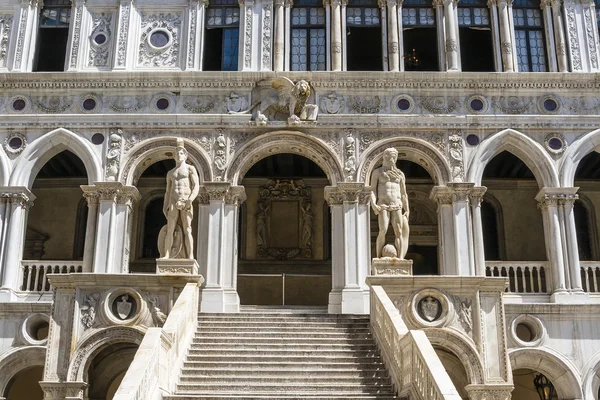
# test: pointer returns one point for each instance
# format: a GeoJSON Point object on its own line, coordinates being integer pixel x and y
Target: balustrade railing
{"type": "Point", "coordinates": [590, 276]}
{"type": "Point", "coordinates": [523, 277]}
{"type": "Point", "coordinates": [408, 354]}
{"type": "Point", "coordinates": [35, 273]}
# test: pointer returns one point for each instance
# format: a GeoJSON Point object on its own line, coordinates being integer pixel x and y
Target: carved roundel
{"type": "Point", "coordinates": [34, 330]}
{"type": "Point", "coordinates": [477, 104]}
{"type": "Point", "coordinates": [549, 104]}
{"type": "Point", "coordinates": [159, 39]}
{"type": "Point", "coordinates": [18, 104]}
{"type": "Point", "coordinates": [555, 143]}
{"type": "Point", "coordinates": [527, 331]}
{"type": "Point", "coordinates": [100, 39]}
{"type": "Point", "coordinates": [15, 143]}
{"type": "Point", "coordinates": [431, 308]}
{"type": "Point", "coordinates": [124, 306]}
{"type": "Point", "coordinates": [89, 103]}
{"type": "Point", "coordinates": [403, 104]}
{"type": "Point", "coordinates": [163, 103]}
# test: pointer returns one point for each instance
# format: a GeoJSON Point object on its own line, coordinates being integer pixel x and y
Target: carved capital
{"type": "Point", "coordinates": [18, 195]}
{"type": "Point", "coordinates": [490, 392]}
{"type": "Point", "coordinates": [63, 390]}
{"type": "Point", "coordinates": [476, 195]}
{"type": "Point", "coordinates": [222, 191]}
{"type": "Point", "coordinates": [492, 3]}
{"type": "Point", "coordinates": [236, 195]}
{"type": "Point", "coordinates": [451, 46]}
{"type": "Point", "coordinates": [113, 191]}
{"type": "Point", "coordinates": [461, 191]}
{"type": "Point", "coordinates": [348, 192]}
{"type": "Point", "coordinates": [90, 194]}
{"type": "Point", "coordinates": [555, 197]}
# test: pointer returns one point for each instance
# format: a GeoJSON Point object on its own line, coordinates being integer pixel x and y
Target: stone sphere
{"type": "Point", "coordinates": [389, 251]}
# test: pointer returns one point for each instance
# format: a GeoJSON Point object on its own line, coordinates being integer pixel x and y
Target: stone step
{"type": "Point", "coordinates": [274, 330]}
{"type": "Point", "coordinates": [269, 352]}
{"type": "Point", "coordinates": [257, 340]}
{"type": "Point", "coordinates": [282, 324]}
{"type": "Point", "coordinates": [279, 317]}
{"type": "Point", "coordinates": [264, 346]}
{"type": "Point", "coordinates": [292, 372]}
{"type": "Point", "coordinates": [311, 365]}
{"type": "Point", "coordinates": [291, 396]}
{"type": "Point", "coordinates": [227, 380]}
{"type": "Point", "coordinates": [235, 335]}
{"type": "Point", "coordinates": [316, 388]}
{"type": "Point", "coordinates": [336, 358]}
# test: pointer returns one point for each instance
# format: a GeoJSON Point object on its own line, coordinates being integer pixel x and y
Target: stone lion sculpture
{"type": "Point", "coordinates": [288, 98]}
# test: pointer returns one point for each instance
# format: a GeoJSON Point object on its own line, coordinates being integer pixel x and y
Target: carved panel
{"type": "Point", "coordinates": [6, 22]}
{"type": "Point", "coordinates": [168, 55]}
{"type": "Point", "coordinates": [100, 52]}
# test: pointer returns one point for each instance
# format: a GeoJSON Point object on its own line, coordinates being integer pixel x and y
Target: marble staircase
{"type": "Point", "coordinates": [283, 354]}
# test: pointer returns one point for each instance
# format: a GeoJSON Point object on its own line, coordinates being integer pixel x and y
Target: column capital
{"type": "Point", "coordinates": [493, 391]}
{"type": "Point", "coordinates": [18, 195]}
{"type": "Point", "coordinates": [453, 193]}
{"type": "Point", "coordinates": [553, 197]}
{"type": "Point", "coordinates": [348, 192]}
{"type": "Point", "coordinates": [221, 191]}
{"type": "Point", "coordinates": [111, 191]}
{"type": "Point", "coordinates": [63, 390]}
{"type": "Point", "coordinates": [476, 195]}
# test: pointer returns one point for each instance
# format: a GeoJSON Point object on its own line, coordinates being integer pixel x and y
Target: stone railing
{"type": "Point", "coordinates": [590, 276]}
{"type": "Point", "coordinates": [523, 276]}
{"type": "Point", "coordinates": [159, 359]}
{"type": "Point", "coordinates": [34, 273]}
{"type": "Point", "coordinates": [414, 366]}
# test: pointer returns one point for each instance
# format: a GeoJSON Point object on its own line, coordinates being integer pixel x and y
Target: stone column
{"type": "Point", "coordinates": [246, 34]}
{"type": "Point", "coordinates": [126, 14]}
{"type": "Point", "coordinates": [92, 198]}
{"type": "Point", "coordinates": [116, 200]}
{"type": "Point", "coordinates": [506, 37]}
{"type": "Point", "coordinates": [463, 233]}
{"type": "Point", "coordinates": [566, 203]}
{"type": "Point", "coordinates": [26, 25]}
{"type": "Point", "coordinates": [336, 35]}
{"type": "Point", "coordinates": [548, 203]}
{"type": "Point", "coordinates": [443, 196]}
{"type": "Point", "coordinates": [279, 47]}
{"type": "Point", "coordinates": [195, 34]}
{"type": "Point", "coordinates": [75, 56]}
{"type": "Point", "coordinates": [559, 36]}
{"type": "Point", "coordinates": [551, 48]}
{"type": "Point", "coordinates": [20, 199]}
{"type": "Point", "coordinates": [351, 247]}
{"type": "Point", "coordinates": [475, 198]}
{"type": "Point", "coordinates": [217, 245]}
{"type": "Point", "coordinates": [392, 36]}
{"type": "Point", "coordinates": [451, 20]}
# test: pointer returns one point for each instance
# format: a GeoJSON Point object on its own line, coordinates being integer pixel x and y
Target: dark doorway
{"type": "Point", "coordinates": [476, 51]}
{"type": "Point", "coordinates": [420, 49]}
{"type": "Point", "coordinates": [364, 49]}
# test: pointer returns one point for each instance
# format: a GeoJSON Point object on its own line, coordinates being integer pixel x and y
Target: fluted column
{"type": "Point", "coordinates": [559, 36]}
{"type": "Point", "coordinates": [279, 47]}
{"type": "Point", "coordinates": [506, 37]}
{"type": "Point", "coordinates": [217, 245]}
{"type": "Point", "coordinates": [336, 35]}
{"type": "Point", "coordinates": [20, 199]}
{"type": "Point", "coordinates": [475, 198]}
{"type": "Point", "coordinates": [451, 20]}
{"type": "Point", "coordinates": [392, 36]}
{"type": "Point", "coordinates": [351, 247]}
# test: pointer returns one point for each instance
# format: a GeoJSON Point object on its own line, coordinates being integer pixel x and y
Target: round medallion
{"type": "Point", "coordinates": [159, 39]}
{"type": "Point", "coordinates": [15, 143]}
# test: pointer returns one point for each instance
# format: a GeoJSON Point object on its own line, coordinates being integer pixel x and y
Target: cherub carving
{"type": "Point", "coordinates": [289, 98]}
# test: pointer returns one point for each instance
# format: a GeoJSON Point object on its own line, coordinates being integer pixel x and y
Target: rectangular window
{"type": "Point", "coordinates": [308, 36]}
{"type": "Point", "coordinates": [364, 50]}
{"type": "Point", "coordinates": [221, 39]}
{"type": "Point", "coordinates": [476, 51]}
{"type": "Point", "coordinates": [420, 36]}
{"type": "Point", "coordinates": [53, 35]}
{"type": "Point", "coordinates": [529, 36]}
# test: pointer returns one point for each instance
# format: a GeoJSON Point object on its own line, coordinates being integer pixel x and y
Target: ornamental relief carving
{"type": "Point", "coordinates": [100, 40]}
{"type": "Point", "coordinates": [6, 22]}
{"type": "Point", "coordinates": [164, 50]}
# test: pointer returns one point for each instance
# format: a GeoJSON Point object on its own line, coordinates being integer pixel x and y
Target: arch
{"type": "Point", "coordinates": [47, 146]}
{"type": "Point", "coordinates": [457, 344]}
{"type": "Point", "coordinates": [150, 151]}
{"type": "Point", "coordinates": [529, 151]}
{"type": "Point", "coordinates": [17, 359]}
{"type": "Point", "coordinates": [559, 370]}
{"type": "Point", "coordinates": [4, 169]}
{"type": "Point", "coordinates": [284, 142]}
{"type": "Point", "coordinates": [575, 153]}
{"type": "Point", "coordinates": [86, 351]}
{"type": "Point", "coordinates": [591, 380]}
{"type": "Point", "coordinates": [497, 207]}
{"type": "Point", "coordinates": [415, 150]}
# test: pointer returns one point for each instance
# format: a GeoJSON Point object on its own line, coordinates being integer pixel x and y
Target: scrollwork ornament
{"type": "Point", "coordinates": [512, 104]}
{"type": "Point", "coordinates": [220, 156]}
{"type": "Point", "coordinates": [125, 10]}
{"type": "Point", "coordinates": [113, 154]}
{"type": "Point", "coordinates": [76, 34]}
{"type": "Point", "coordinates": [6, 22]}
{"type": "Point", "coordinates": [589, 31]}
{"type": "Point", "coordinates": [350, 161]}
{"type": "Point", "coordinates": [366, 104]}
{"type": "Point", "coordinates": [573, 39]}
{"type": "Point", "coordinates": [167, 56]}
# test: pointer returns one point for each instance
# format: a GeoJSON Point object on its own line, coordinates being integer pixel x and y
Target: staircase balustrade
{"type": "Point", "coordinates": [590, 276]}
{"type": "Point", "coordinates": [414, 366]}
{"type": "Point", "coordinates": [35, 273]}
{"type": "Point", "coordinates": [156, 365]}
{"type": "Point", "coordinates": [523, 277]}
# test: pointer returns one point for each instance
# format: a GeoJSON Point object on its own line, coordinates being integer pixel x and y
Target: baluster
{"type": "Point", "coordinates": [29, 273]}
{"type": "Point", "coordinates": [37, 278]}
{"type": "Point", "coordinates": [584, 283]}
{"type": "Point", "coordinates": [512, 284]}
{"type": "Point", "coordinates": [596, 276]}
{"type": "Point", "coordinates": [527, 277]}
{"type": "Point", "coordinates": [44, 278]}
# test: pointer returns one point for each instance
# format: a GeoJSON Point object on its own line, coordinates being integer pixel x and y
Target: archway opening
{"type": "Point", "coordinates": [423, 237]}
{"type": "Point", "coordinates": [25, 384]}
{"type": "Point", "coordinates": [285, 234]}
{"type": "Point", "coordinates": [455, 370]}
{"type": "Point", "coordinates": [525, 389]}
{"type": "Point", "coordinates": [149, 218]}
{"type": "Point", "coordinates": [107, 369]}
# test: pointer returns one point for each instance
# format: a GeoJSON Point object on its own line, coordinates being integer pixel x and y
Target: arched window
{"type": "Point", "coordinates": [364, 40]}
{"type": "Point", "coordinates": [489, 223]}
{"type": "Point", "coordinates": [53, 36]}
{"type": "Point", "coordinates": [221, 36]}
{"type": "Point", "coordinates": [582, 226]}
{"type": "Point", "coordinates": [476, 46]}
{"type": "Point", "coordinates": [308, 36]}
{"type": "Point", "coordinates": [419, 36]}
{"type": "Point", "coordinates": [529, 36]}
{"type": "Point", "coordinates": [154, 220]}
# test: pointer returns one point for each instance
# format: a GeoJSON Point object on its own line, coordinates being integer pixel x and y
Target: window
{"type": "Point", "coordinates": [420, 36]}
{"type": "Point", "coordinates": [53, 36]}
{"type": "Point", "coordinates": [529, 36]}
{"type": "Point", "coordinates": [221, 39]}
{"type": "Point", "coordinates": [364, 50]}
{"type": "Point", "coordinates": [308, 36]}
{"type": "Point", "coordinates": [476, 45]}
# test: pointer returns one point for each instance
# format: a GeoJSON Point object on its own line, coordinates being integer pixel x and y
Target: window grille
{"type": "Point", "coordinates": [308, 36]}
{"type": "Point", "coordinates": [473, 13]}
{"type": "Point", "coordinates": [529, 36]}
{"type": "Point", "coordinates": [55, 14]}
{"type": "Point", "coordinates": [363, 13]}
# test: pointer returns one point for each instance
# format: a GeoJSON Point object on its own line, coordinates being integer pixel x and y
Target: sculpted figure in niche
{"type": "Point", "coordinates": [390, 203]}
{"type": "Point", "coordinates": [182, 189]}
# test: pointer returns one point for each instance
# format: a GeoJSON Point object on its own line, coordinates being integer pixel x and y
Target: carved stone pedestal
{"type": "Point", "coordinates": [176, 266]}
{"type": "Point", "coordinates": [391, 266]}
